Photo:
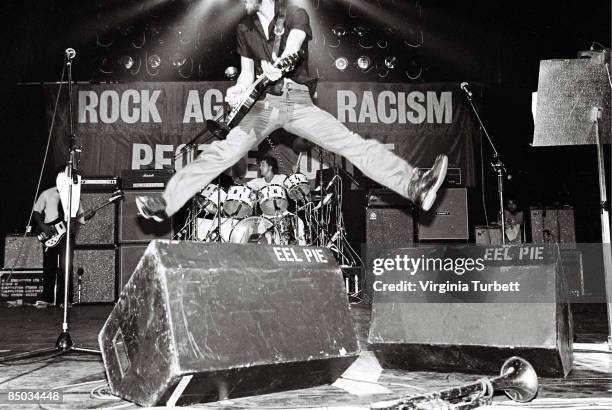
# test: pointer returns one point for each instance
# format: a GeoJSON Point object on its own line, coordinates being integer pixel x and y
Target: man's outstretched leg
{"type": "Point", "coordinates": [369, 155]}
{"type": "Point", "coordinates": [214, 159]}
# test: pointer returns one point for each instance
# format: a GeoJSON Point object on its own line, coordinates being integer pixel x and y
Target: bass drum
{"type": "Point", "coordinates": [255, 229]}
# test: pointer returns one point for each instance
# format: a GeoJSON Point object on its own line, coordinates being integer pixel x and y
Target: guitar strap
{"type": "Point", "coordinates": [279, 30]}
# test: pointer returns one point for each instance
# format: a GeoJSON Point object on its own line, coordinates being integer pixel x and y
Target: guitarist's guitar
{"type": "Point", "coordinates": [250, 96]}
{"type": "Point", "coordinates": [58, 227]}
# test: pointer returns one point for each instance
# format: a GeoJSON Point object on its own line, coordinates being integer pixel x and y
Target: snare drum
{"type": "Point", "coordinates": [297, 186]}
{"type": "Point", "coordinates": [254, 229]}
{"type": "Point", "coordinates": [239, 202]}
{"type": "Point", "coordinates": [211, 195]}
{"type": "Point", "coordinates": [273, 200]}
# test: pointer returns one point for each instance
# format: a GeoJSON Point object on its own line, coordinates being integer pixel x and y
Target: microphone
{"type": "Point", "coordinates": [332, 240]}
{"type": "Point", "coordinates": [464, 87]}
{"type": "Point", "coordinates": [331, 183]}
{"type": "Point", "coordinates": [70, 53]}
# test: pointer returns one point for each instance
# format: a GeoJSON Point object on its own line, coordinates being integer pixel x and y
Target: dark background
{"type": "Point", "coordinates": [497, 44]}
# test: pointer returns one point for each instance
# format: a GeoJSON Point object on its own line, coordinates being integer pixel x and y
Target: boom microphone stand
{"type": "Point", "coordinates": [64, 343]}
{"type": "Point", "coordinates": [496, 163]}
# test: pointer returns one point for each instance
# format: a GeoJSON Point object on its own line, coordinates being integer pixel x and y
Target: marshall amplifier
{"type": "Point", "coordinates": [453, 176]}
{"type": "Point", "coordinates": [447, 219]}
{"type": "Point", "coordinates": [145, 178]}
{"type": "Point", "coordinates": [100, 183]}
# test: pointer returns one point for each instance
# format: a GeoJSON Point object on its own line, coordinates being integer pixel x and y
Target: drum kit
{"type": "Point", "coordinates": [242, 215]}
{"type": "Point", "coordinates": [291, 213]}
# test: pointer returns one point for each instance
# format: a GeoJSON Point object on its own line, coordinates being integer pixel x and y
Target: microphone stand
{"type": "Point", "coordinates": [64, 343]}
{"type": "Point", "coordinates": [496, 164]}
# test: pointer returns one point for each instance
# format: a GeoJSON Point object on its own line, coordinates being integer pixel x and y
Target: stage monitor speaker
{"type": "Point", "coordinates": [96, 269]}
{"type": "Point", "coordinates": [479, 337]}
{"type": "Point", "coordinates": [386, 228]}
{"type": "Point", "coordinates": [22, 252]}
{"type": "Point", "coordinates": [553, 225]}
{"type": "Point", "coordinates": [447, 219]}
{"type": "Point", "coordinates": [201, 322]}
{"type": "Point", "coordinates": [99, 230]}
{"type": "Point", "coordinates": [136, 229]}
{"type": "Point", "coordinates": [129, 256]}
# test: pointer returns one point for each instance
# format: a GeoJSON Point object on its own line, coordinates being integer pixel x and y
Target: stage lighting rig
{"type": "Point", "coordinates": [231, 72]}
{"type": "Point", "coordinates": [364, 63]}
{"type": "Point", "coordinates": [390, 62]}
{"type": "Point", "coordinates": [341, 63]}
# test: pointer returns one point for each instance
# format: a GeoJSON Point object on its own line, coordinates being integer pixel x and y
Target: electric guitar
{"type": "Point", "coordinates": [250, 96]}
{"type": "Point", "coordinates": [58, 227]}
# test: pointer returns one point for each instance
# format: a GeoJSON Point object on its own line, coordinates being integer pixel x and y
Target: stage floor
{"type": "Point", "coordinates": [28, 328]}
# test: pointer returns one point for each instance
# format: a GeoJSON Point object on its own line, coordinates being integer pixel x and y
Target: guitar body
{"type": "Point", "coordinates": [58, 229]}
{"type": "Point", "coordinates": [255, 91]}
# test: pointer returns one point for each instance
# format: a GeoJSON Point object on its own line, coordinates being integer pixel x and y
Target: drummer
{"type": "Point", "coordinates": [268, 168]}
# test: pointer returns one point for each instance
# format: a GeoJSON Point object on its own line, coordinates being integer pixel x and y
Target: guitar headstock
{"type": "Point", "coordinates": [288, 62]}
{"type": "Point", "coordinates": [118, 194]}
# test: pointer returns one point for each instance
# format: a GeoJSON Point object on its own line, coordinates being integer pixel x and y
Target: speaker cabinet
{"type": "Point", "coordinates": [386, 228]}
{"type": "Point", "coordinates": [553, 225]}
{"type": "Point", "coordinates": [136, 229]}
{"type": "Point", "coordinates": [201, 322]}
{"type": "Point", "coordinates": [22, 252]}
{"type": "Point", "coordinates": [447, 219]}
{"type": "Point", "coordinates": [129, 256]}
{"type": "Point", "coordinates": [488, 235]}
{"type": "Point", "coordinates": [99, 230]}
{"type": "Point", "coordinates": [96, 270]}
{"type": "Point", "coordinates": [424, 333]}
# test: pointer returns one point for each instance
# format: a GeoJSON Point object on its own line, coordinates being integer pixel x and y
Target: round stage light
{"type": "Point", "coordinates": [339, 30]}
{"type": "Point", "coordinates": [341, 63]}
{"type": "Point", "coordinates": [231, 72]}
{"type": "Point", "coordinates": [127, 62]}
{"type": "Point", "coordinates": [390, 62]}
{"type": "Point", "coordinates": [178, 60]}
{"type": "Point", "coordinates": [364, 63]}
{"type": "Point", "coordinates": [361, 31]}
{"type": "Point", "coordinates": [154, 61]}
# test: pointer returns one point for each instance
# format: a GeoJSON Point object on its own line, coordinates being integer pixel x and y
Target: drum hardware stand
{"type": "Point", "coordinates": [497, 164]}
{"type": "Point", "coordinates": [64, 343]}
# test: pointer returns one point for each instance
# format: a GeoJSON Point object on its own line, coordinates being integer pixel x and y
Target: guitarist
{"type": "Point", "coordinates": [48, 211]}
{"type": "Point", "coordinates": [272, 29]}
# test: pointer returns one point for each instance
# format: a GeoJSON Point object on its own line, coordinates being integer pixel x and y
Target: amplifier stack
{"type": "Point", "coordinates": [108, 248]}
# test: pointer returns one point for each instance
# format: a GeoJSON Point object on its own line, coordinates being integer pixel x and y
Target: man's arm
{"type": "Point", "coordinates": [295, 39]}
{"type": "Point", "coordinates": [40, 222]}
{"type": "Point", "coordinates": [245, 79]}
{"type": "Point", "coordinates": [294, 43]}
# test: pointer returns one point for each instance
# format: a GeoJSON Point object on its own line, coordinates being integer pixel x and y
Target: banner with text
{"type": "Point", "coordinates": [145, 125]}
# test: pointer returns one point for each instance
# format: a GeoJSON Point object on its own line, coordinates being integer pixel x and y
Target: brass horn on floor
{"type": "Point", "coordinates": [517, 379]}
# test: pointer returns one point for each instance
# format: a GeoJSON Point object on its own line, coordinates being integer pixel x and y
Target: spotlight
{"type": "Point", "coordinates": [339, 30]}
{"type": "Point", "coordinates": [105, 65]}
{"type": "Point", "coordinates": [390, 62]}
{"type": "Point", "coordinates": [364, 63]}
{"type": "Point", "coordinates": [126, 62]}
{"type": "Point", "coordinates": [178, 60]}
{"type": "Point", "coordinates": [231, 72]}
{"type": "Point", "coordinates": [341, 63]}
{"type": "Point", "coordinates": [361, 31]}
{"type": "Point", "coordinates": [154, 61]}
